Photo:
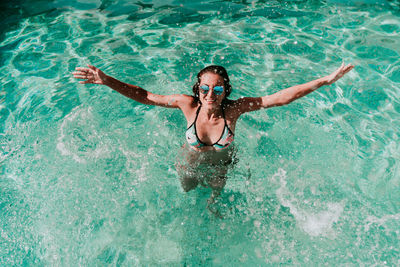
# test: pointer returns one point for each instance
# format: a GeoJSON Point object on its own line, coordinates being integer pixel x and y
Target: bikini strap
{"type": "Point", "coordinates": [195, 119]}
{"type": "Point", "coordinates": [226, 124]}
{"type": "Point", "coordinates": [223, 114]}
{"type": "Point", "coordinates": [197, 114]}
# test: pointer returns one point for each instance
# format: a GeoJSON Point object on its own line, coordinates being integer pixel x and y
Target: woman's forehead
{"type": "Point", "coordinates": [210, 77]}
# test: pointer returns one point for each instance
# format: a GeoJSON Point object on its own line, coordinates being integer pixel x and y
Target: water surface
{"type": "Point", "coordinates": [87, 176]}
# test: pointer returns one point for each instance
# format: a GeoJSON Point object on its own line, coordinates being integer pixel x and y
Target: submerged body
{"type": "Point", "coordinates": [208, 168]}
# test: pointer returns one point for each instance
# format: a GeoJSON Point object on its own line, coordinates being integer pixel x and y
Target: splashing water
{"type": "Point", "coordinates": [87, 176]}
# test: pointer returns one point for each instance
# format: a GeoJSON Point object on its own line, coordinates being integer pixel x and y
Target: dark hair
{"type": "Point", "coordinates": [221, 71]}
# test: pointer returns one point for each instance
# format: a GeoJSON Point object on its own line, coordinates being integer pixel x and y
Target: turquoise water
{"type": "Point", "coordinates": [87, 176]}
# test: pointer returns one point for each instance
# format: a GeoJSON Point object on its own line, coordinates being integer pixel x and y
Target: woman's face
{"type": "Point", "coordinates": [213, 96]}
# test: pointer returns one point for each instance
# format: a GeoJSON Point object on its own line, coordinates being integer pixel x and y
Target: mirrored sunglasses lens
{"type": "Point", "coordinates": [204, 89]}
{"type": "Point", "coordinates": [218, 90]}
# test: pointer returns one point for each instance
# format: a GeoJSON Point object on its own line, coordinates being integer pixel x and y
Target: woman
{"type": "Point", "coordinates": [211, 118]}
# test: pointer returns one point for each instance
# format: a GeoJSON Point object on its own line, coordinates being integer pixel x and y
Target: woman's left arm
{"type": "Point", "coordinates": [290, 94]}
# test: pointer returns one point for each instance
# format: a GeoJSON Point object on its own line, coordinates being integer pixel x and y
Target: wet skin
{"type": "Point", "coordinates": [206, 165]}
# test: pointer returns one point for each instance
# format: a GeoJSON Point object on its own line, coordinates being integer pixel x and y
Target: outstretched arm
{"type": "Point", "coordinates": [290, 94]}
{"type": "Point", "coordinates": [96, 76]}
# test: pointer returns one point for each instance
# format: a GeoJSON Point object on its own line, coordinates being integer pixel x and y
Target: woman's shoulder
{"type": "Point", "coordinates": [229, 104]}
{"type": "Point", "coordinates": [231, 108]}
{"type": "Point", "coordinates": [187, 101]}
{"type": "Point", "coordinates": [186, 97]}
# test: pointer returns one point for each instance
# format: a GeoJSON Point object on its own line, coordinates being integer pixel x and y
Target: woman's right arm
{"type": "Point", "coordinates": [96, 76]}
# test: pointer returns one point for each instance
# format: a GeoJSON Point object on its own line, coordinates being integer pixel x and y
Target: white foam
{"type": "Point", "coordinates": [65, 152]}
{"type": "Point", "coordinates": [163, 251]}
{"type": "Point", "coordinates": [381, 221]}
{"type": "Point", "coordinates": [314, 224]}
{"type": "Point", "coordinates": [390, 21]}
{"type": "Point", "coordinates": [84, 120]}
{"type": "Point", "coordinates": [60, 140]}
{"type": "Point", "coordinates": [135, 164]}
{"type": "Point", "coordinates": [321, 222]}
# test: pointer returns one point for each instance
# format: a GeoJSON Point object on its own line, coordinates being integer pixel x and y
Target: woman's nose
{"type": "Point", "coordinates": [211, 91]}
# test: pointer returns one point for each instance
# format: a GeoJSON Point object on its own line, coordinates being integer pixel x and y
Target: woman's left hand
{"type": "Point", "coordinates": [91, 75]}
{"type": "Point", "coordinates": [337, 74]}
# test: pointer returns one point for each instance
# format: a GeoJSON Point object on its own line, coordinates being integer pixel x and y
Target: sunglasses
{"type": "Point", "coordinates": [218, 90]}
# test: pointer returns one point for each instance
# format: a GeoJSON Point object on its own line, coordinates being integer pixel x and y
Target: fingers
{"type": "Point", "coordinates": [82, 69]}
{"type": "Point", "coordinates": [80, 77]}
{"type": "Point", "coordinates": [92, 67]}
{"type": "Point", "coordinates": [348, 68]}
{"type": "Point", "coordinates": [82, 73]}
{"type": "Point", "coordinates": [339, 73]}
{"type": "Point", "coordinates": [86, 70]}
{"type": "Point", "coordinates": [343, 69]}
{"type": "Point", "coordinates": [343, 66]}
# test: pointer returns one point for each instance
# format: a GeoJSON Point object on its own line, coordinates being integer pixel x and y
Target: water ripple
{"type": "Point", "coordinates": [88, 176]}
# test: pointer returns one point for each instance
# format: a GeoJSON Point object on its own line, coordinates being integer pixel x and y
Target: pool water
{"type": "Point", "coordinates": [87, 176]}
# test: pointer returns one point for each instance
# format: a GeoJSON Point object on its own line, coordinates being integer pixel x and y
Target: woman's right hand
{"type": "Point", "coordinates": [91, 75]}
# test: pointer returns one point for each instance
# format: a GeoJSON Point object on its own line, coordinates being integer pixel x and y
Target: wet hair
{"type": "Point", "coordinates": [221, 71]}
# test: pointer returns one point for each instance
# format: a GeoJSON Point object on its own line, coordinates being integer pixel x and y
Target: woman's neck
{"type": "Point", "coordinates": [211, 112]}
